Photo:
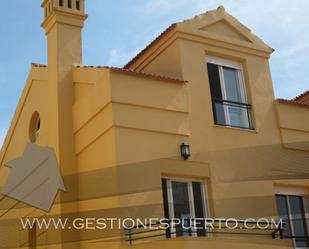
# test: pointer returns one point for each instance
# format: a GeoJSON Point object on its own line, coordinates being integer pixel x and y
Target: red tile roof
{"type": "Point", "coordinates": [38, 65]}
{"type": "Point", "coordinates": [171, 27]}
{"type": "Point", "coordinates": [127, 71]}
{"type": "Point", "coordinates": [132, 72]}
{"type": "Point", "coordinates": [303, 97]}
{"type": "Point", "coordinates": [288, 101]}
{"type": "Point", "coordinates": [300, 100]}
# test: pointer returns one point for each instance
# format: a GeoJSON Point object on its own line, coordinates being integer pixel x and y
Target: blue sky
{"type": "Point", "coordinates": [117, 30]}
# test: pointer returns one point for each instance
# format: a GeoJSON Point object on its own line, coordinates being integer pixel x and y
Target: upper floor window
{"type": "Point", "coordinates": [229, 100]}
{"type": "Point", "coordinates": [78, 4]}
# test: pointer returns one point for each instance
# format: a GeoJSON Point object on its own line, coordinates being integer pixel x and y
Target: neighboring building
{"type": "Point", "coordinates": [117, 134]}
{"type": "Point", "coordinates": [303, 98]}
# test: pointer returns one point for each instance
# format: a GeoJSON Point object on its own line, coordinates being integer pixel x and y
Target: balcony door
{"type": "Point", "coordinates": [292, 211]}
{"type": "Point", "coordinates": [184, 200]}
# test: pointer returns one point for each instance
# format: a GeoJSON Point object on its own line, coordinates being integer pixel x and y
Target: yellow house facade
{"type": "Point", "coordinates": [203, 86]}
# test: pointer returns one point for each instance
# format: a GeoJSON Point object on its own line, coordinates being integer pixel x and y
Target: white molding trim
{"type": "Point", "coordinates": [223, 62]}
{"type": "Point", "coordinates": [290, 190]}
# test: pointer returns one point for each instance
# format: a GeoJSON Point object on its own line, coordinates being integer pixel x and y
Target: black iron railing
{"type": "Point", "coordinates": [153, 230]}
{"type": "Point", "coordinates": [222, 109]}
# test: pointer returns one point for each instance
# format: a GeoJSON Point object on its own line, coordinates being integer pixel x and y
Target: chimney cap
{"type": "Point", "coordinates": [64, 5]}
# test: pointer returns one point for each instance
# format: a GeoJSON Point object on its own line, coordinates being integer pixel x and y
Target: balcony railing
{"type": "Point", "coordinates": [232, 114]}
{"type": "Point", "coordinates": [155, 230]}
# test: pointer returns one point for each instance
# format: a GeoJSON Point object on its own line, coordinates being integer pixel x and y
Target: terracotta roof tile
{"type": "Point", "coordinates": [171, 27]}
{"type": "Point", "coordinates": [293, 102]}
{"type": "Point", "coordinates": [132, 72]}
{"type": "Point", "coordinates": [301, 99]}
{"type": "Point", "coordinates": [38, 65]}
{"type": "Point", "coordinates": [127, 71]}
{"type": "Point", "coordinates": [301, 96]}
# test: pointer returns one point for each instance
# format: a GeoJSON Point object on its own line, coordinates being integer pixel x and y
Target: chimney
{"type": "Point", "coordinates": [63, 23]}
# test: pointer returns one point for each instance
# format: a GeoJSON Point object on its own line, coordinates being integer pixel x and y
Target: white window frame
{"type": "Point", "coordinates": [189, 181]}
{"type": "Point", "coordinates": [294, 191]}
{"type": "Point", "coordinates": [240, 78]}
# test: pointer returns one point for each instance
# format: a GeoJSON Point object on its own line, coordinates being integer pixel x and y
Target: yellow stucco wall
{"type": "Point", "coordinates": [123, 131]}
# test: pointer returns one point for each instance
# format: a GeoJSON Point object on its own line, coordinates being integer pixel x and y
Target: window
{"type": "Point", "coordinates": [292, 211]}
{"type": "Point", "coordinates": [61, 3]}
{"type": "Point", "coordinates": [35, 127]}
{"type": "Point", "coordinates": [78, 4]}
{"type": "Point", "coordinates": [229, 100]}
{"type": "Point", "coordinates": [184, 199]}
{"type": "Point", "coordinates": [70, 4]}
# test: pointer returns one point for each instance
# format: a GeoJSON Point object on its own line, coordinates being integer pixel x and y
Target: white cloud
{"type": "Point", "coordinates": [2, 136]}
{"type": "Point", "coordinates": [152, 6]}
{"type": "Point", "coordinates": [3, 75]}
{"type": "Point", "coordinates": [118, 57]}
{"type": "Point", "coordinates": [159, 5]}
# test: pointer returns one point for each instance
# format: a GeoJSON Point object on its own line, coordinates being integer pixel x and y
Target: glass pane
{"type": "Point", "coordinates": [283, 213]}
{"type": "Point", "coordinates": [214, 80]}
{"type": "Point", "coordinates": [238, 116]}
{"type": "Point", "coordinates": [298, 221]}
{"type": "Point", "coordinates": [198, 207]}
{"type": "Point", "coordinates": [165, 204]}
{"type": "Point", "coordinates": [219, 113]}
{"type": "Point", "coordinates": [181, 205]}
{"type": "Point", "coordinates": [216, 93]}
{"type": "Point", "coordinates": [232, 84]}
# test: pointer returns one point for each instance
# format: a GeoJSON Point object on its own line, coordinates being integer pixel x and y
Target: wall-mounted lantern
{"type": "Point", "coordinates": [185, 150]}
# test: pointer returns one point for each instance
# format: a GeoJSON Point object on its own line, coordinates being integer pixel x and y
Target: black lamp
{"type": "Point", "coordinates": [185, 150]}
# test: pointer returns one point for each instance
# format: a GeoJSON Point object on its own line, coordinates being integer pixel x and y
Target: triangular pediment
{"type": "Point", "coordinates": [225, 29]}
{"type": "Point", "coordinates": [219, 25]}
